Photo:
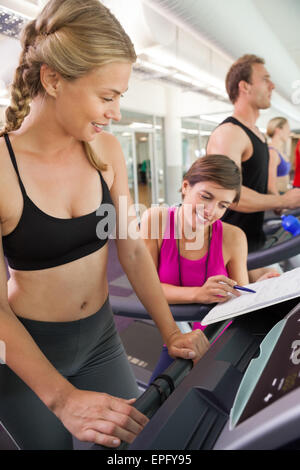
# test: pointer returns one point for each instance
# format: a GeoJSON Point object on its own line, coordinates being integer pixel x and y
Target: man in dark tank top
{"type": "Point", "coordinates": [249, 88]}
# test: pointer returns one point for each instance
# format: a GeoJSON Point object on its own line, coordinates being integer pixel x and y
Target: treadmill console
{"type": "Point", "coordinates": [266, 410]}
{"type": "Point", "coordinates": [274, 373]}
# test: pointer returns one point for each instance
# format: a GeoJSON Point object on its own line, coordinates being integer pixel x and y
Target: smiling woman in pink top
{"type": "Point", "coordinates": [199, 258]}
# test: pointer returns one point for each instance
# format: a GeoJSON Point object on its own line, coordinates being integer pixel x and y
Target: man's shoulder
{"type": "Point", "coordinates": [229, 139]}
{"type": "Point", "coordinates": [229, 128]}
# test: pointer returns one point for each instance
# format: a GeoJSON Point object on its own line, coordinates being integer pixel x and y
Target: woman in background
{"type": "Point", "coordinates": [278, 130]}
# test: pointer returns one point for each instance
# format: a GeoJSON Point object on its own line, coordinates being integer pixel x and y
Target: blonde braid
{"type": "Point", "coordinates": [19, 106]}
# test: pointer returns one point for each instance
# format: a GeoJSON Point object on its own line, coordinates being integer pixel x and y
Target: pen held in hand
{"type": "Point", "coordinates": [246, 289]}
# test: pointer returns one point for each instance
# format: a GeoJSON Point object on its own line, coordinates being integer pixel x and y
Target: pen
{"type": "Point", "coordinates": [244, 288]}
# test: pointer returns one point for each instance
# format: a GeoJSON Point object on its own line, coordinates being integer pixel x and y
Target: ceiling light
{"type": "Point", "coordinates": [217, 91]}
{"type": "Point", "coordinates": [139, 125]}
{"type": "Point", "coordinates": [168, 59]}
{"type": "Point", "coordinates": [204, 133]}
{"type": "Point", "coordinates": [190, 131]}
{"type": "Point", "coordinates": [198, 84]}
{"type": "Point", "coordinates": [215, 118]}
{"type": "Point", "coordinates": [180, 72]}
{"type": "Point", "coordinates": [189, 80]}
{"type": "Point", "coordinates": [152, 66]}
{"type": "Point", "coordinates": [183, 78]}
{"type": "Point", "coordinates": [11, 22]}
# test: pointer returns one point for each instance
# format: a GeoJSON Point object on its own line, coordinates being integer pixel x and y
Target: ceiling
{"type": "Point", "coordinates": [268, 28]}
{"type": "Point", "coordinates": [202, 38]}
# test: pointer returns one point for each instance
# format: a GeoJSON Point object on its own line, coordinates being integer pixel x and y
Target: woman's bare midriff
{"type": "Point", "coordinates": [68, 292]}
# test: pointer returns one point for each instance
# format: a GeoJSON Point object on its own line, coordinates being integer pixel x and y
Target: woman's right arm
{"type": "Point", "coordinates": [272, 178]}
{"type": "Point", "coordinates": [90, 416]}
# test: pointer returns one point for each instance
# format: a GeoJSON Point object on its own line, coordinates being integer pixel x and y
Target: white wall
{"type": "Point", "coordinates": [194, 104]}
{"type": "Point", "coordinates": [145, 97]}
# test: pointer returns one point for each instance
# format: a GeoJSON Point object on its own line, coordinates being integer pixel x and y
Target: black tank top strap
{"type": "Point", "coordinates": [106, 198]}
{"type": "Point", "coordinates": [14, 161]}
{"type": "Point", "coordinates": [248, 131]}
{"type": "Point", "coordinates": [104, 184]}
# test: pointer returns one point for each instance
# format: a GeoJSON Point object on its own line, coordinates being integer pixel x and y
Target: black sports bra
{"type": "Point", "coordinates": [41, 241]}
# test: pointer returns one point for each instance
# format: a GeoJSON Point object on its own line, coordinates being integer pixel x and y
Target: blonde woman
{"type": "Point", "coordinates": [278, 131]}
{"type": "Point", "coordinates": [66, 371]}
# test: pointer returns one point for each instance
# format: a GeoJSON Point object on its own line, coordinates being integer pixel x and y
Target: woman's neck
{"type": "Point", "coordinates": [40, 130]}
{"type": "Point", "coordinates": [278, 143]}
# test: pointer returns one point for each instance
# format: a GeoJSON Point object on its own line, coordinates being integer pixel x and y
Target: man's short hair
{"type": "Point", "coordinates": [240, 70]}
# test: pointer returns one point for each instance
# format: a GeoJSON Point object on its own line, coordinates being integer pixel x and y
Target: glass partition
{"type": "Point", "coordinates": [141, 138]}
{"type": "Point", "coordinates": [195, 133]}
{"type": "Point", "coordinates": [127, 142]}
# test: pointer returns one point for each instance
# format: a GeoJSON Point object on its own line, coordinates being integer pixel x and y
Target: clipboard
{"type": "Point", "coordinates": [267, 292]}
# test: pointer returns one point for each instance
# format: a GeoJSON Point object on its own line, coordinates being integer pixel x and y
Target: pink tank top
{"type": "Point", "coordinates": [192, 271]}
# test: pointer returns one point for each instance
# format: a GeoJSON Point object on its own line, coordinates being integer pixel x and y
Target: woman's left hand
{"type": "Point", "coordinates": [267, 275]}
{"type": "Point", "coordinates": [191, 345]}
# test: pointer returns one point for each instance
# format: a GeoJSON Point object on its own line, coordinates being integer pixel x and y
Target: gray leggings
{"type": "Point", "coordinates": [89, 353]}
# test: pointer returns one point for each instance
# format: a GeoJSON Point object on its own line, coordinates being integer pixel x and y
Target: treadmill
{"type": "Point", "coordinates": [142, 339]}
{"type": "Point", "coordinates": [287, 254]}
{"type": "Point", "coordinates": [243, 394]}
{"type": "Point", "coordinates": [201, 412]}
{"type": "Point", "coordinates": [196, 408]}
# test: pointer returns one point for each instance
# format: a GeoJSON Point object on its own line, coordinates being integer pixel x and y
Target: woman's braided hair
{"type": "Point", "coordinates": [72, 37]}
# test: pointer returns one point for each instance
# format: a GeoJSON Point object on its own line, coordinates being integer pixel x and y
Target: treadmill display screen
{"type": "Point", "coordinates": [282, 372]}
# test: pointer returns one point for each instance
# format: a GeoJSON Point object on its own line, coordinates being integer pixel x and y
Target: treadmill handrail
{"type": "Point", "coordinates": [295, 212]}
{"type": "Point", "coordinates": [274, 254]}
{"type": "Point", "coordinates": [132, 307]}
{"type": "Point", "coordinates": [157, 393]}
